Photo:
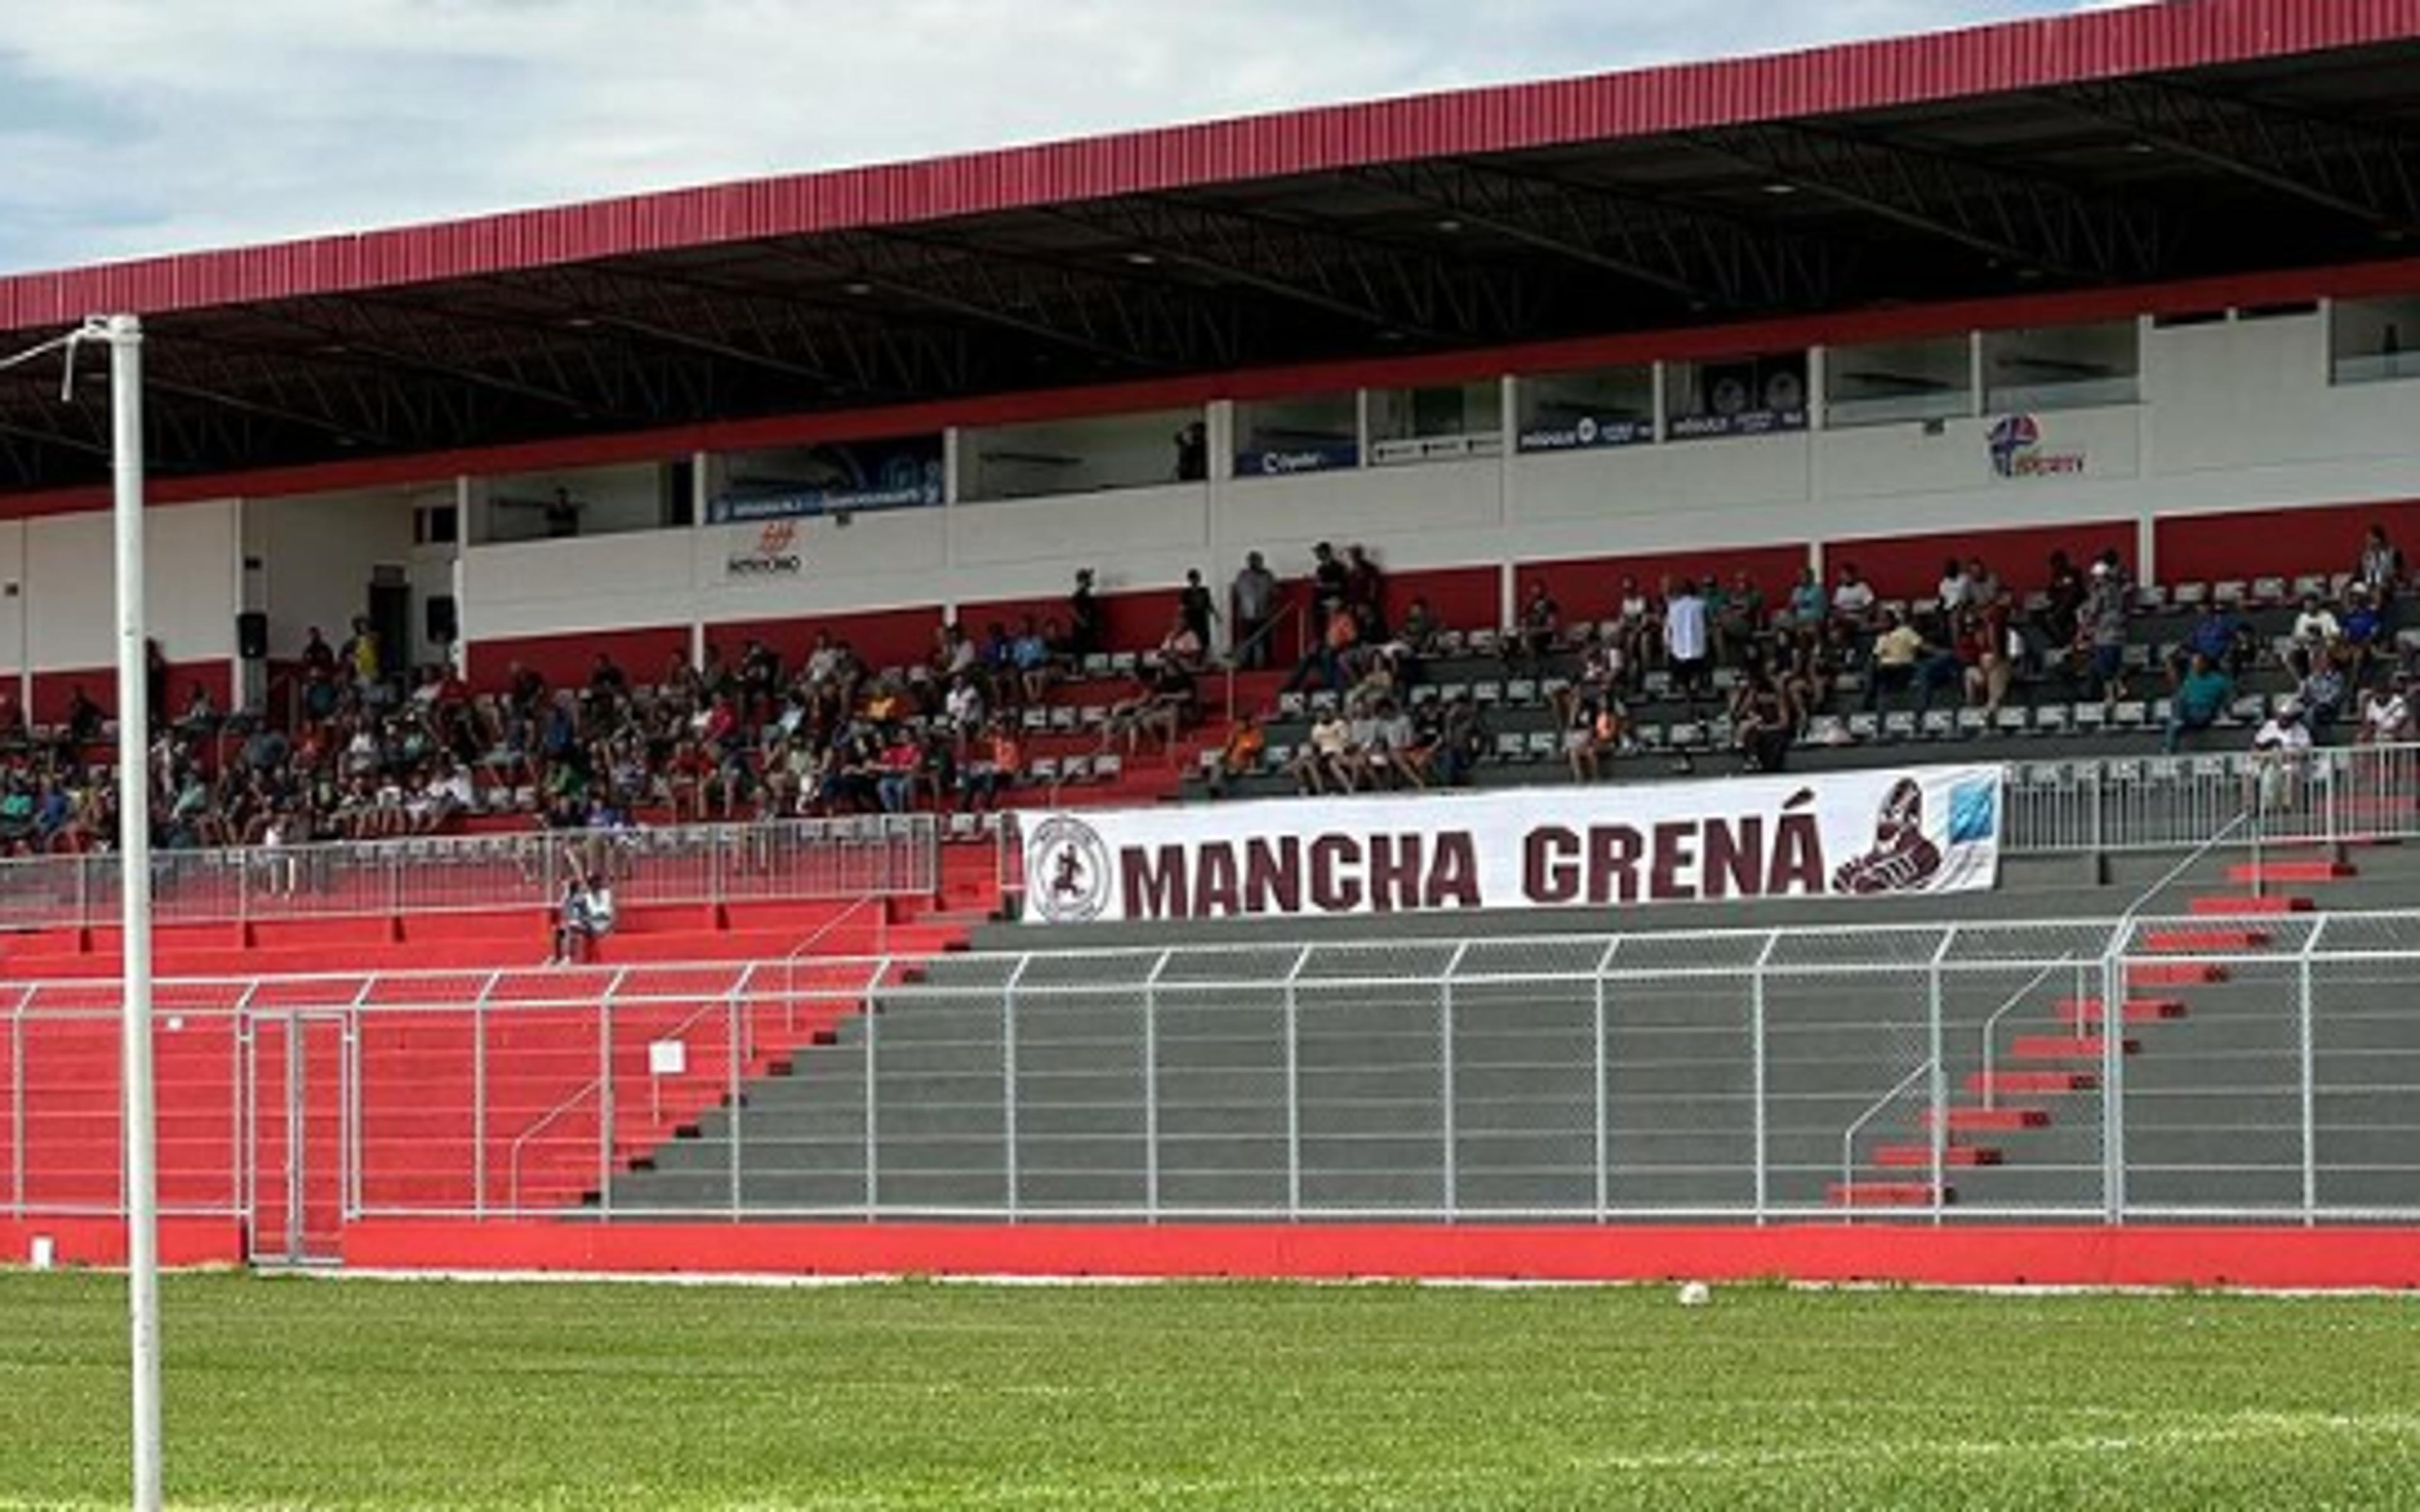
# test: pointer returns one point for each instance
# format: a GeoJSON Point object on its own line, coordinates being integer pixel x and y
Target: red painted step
{"type": "Point", "coordinates": [1991, 1121]}
{"type": "Point", "coordinates": [2266, 873]}
{"type": "Point", "coordinates": [2136, 1010]}
{"type": "Point", "coordinates": [2182, 941]}
{"type": "Point", "coordinates": [1885, 1194]}
{"type": "Point", "coordinates": [2029, 1083]}
{"type": "Point", "coordinates": [1919, 1157]}
{"type": "Point", "coordinates": [2091, 1047]}
{"type": "Point", "coordinates": [2230, 905]}
{"type": "Point", "coordinates": [2174, 973]}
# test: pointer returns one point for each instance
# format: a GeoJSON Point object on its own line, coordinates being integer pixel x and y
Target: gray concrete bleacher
{"type": "Point", "coordinates": [1381, 1123]}
{"type": "Point", "coordinates": [2048, 715]}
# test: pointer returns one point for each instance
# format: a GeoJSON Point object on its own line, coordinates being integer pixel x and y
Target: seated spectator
{"type": "Point", "coordinates": [2378, 570]}
{"type": "Point", "coordinates": [1954, 587]}
{"type": "Point", "coordinates": [1852, 598]}
{"type": "Point", "coordinates": [2320, 687]}
{"type": "Point", "coordinates": [1763, 729]}
{"type": "Point", "coordinates": [2062, 606]}
{"type": "Point", "coordinates": [1182, 646]}
{"type": "Point", "coordinates": [1533, 639]}
{"type": "Point", "coordinates": [1420, 630]}
{"type": "Point", "coordinates": [1983, 585]}
{"type": "Point", "coordinates": [1399, 755]}
{"type": "Point", "coordinates": [2364, 634]}
{"type": "Point", "coordinates": [1739, 618]}
{"type": "Point", "coordinates": [1808, 604]}
{"type": "Point", "coordinates": [2387, 714]}
{"type": "Point", "coordinates": [83, 721]}
{"type": "Point", "coordinates": [1988, 647]}
{"type": "Point", "coordinates": [2279, 749]}
{"type": "Point", "coordinates": [2218, 635]}
{"type": "Point", "coordinates": [901, 763]}
{"type": "Point", "coordinates": [1167, 706]}
{"type": "Point", "coordinates": [1325, 758]}
{"type": "Point", "coordinates": [1592, 726]}
{"type": "Point", "coordinates": [1456, 741]}
{"type": "Point", "coordinates": [1639, 626]}
{"type": "Point", "coordinates": [2200, 699]}
{"type": "Point", "coordinates": [1239, 754]}
{"type": "Point", "coordinates": [586, 914]}
{"type": "Point", "coordinates": [2316, 629]}
{"type": "Point", "coordinates": [993, 768]}
{"type": "Point", "coordinates": [1897, 653]}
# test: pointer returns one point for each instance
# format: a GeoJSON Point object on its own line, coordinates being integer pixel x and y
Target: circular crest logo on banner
{"type": "Point", "coordinates": [1067, 879]}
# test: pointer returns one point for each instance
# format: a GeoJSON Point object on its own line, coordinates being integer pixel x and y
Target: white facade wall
{"type": "Point", "coordinates": [2235, 416]}
{"type": "Point", "coordinates": [58, 604]}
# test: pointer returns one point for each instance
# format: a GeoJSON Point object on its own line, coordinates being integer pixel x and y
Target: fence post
{"type": "Point", "coordinates": [605, 1103]}
{"type": "Point", "coordinates": [1151, 1091]}
{"type": "Point", "coordinates": [17, 1104]}
{"type": "Point", "coordinates": [2113, 1095]}
{"type": "Point", "coordinates": [1756, 1115]}
{"type": "Point", "coordinates": [871, 1016]}
{"type": "Point", "coordinates": [1936, 1084]}
{"type": "Point", "coordinates": [736, 1014]}
{"type": "Point", "coordinates": [1447, 1174]}
{"type": "Point", "coordinates": [1294, 1088]}
{"type": "Point", "coordinates": [1008, 1081]}
{"type": "Point", "coordinates": [2308, 1074]}
{"type": "Point", "coordinates": [1598, 1138]}
{"type": "Point", "coordinates": [479, 1099]}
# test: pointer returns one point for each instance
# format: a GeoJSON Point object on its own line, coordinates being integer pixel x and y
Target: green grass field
{"type": "Point", "coordinates": [359, 1394]}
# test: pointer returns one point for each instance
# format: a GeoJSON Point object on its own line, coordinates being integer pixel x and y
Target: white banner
{"type": "Point", "coordinates": [1891, 833]}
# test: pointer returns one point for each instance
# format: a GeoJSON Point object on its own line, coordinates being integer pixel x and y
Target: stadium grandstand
{"type": "Point", "coordinates": [1792, 665]}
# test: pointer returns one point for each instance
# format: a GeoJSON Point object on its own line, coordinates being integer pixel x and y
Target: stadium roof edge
{"type": "Point", "coordinates": [2012, 55]}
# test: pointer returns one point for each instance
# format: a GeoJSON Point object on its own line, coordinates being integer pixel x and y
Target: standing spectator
{"type": "Point", "coordinates": [1954, 588]}
{"type": "Point", "coordinates": [1808, 605]}
{"type": "Point", "coordinates": [1326, 579]}
{"type": "Point", "coordinates": [1458, 740]}
{"type": "Point", "coordinates": [155, 683]}
{"type": "Point", "coordinates": [1083, 620]}
{"type": "Point", "coordinates": [2062, 604]}
{"type": "Point", "coordinates": [1194, 606]}
{"type": "Point", "coordinates": [1193, 452]}
{"type": "Point", "coordinates": [2380, 568]}
{"type": "Point", "coordinates": [2279, 750]}
{"type": "Point", "coordinates": [1365, 589]}
{"type": "Point", "coordinates": [1254, 600]}
{"type": "Point", "coordinates": [1739, 618]}
{"type": "Point", "coordinates": [2104, 627]}
{"type": "Point", "coordinates": [1687, 650]}
{"type": "Point", "coordinates": [1326, 660]}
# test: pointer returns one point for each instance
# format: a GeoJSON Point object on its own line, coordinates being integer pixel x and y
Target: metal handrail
{"type": "Point", "coordinates": [544, 1121]}
{"type": "Point", "coordinates": [2118, 931]}
{"type": "Point", "coordinates": [1290, 613]}
{"type": "Point", "coordinates": [1849, 1138]}
{"type": "Point", "coordinates": [2016, 999]}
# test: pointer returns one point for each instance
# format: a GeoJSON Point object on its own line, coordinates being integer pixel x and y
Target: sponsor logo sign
{"type": "Point", "coordinates": [1892, 833]}
{"type": "Point", "coordinates": [769, 550]}
{"type": "Point", "coordinates": [2017, 452]}
{"type": "Point", "coordinates": [1287, 461]}
{"type": "Point", "coordinates": [1743, 422]}
{"type": "Point", "coordinates": [1586, 432]}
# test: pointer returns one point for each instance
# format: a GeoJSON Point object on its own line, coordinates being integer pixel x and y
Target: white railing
{"type": "Point", "coordinates": [1725, 1076]}
{"type": "Point", "coordinates": [707, 864]}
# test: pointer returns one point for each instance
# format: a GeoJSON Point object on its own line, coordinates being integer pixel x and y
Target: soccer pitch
{"type": "Point", "coordinates": [364, 1393]}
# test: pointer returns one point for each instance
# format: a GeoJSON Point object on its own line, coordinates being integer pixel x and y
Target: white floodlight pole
{"type": "Point", "coordinates": [124, 333]}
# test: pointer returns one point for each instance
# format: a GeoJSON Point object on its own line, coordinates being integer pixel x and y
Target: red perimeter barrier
{"type": "Point", "coordinates": [2331, 1259]}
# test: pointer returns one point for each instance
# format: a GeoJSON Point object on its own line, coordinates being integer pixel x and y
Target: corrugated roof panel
{"type": "Point", "coordinates": [2025, 55]}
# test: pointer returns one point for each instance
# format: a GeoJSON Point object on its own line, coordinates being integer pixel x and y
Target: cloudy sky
{"type": "Point", "coordinates": [139, 126]}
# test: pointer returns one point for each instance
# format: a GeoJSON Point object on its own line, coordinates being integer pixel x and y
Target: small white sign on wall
{"type": "Point", "coordinates": [668, 1058]}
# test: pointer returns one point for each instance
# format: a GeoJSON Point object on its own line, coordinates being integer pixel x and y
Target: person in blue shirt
{"type": "Point", "coordinates": [2219, 636]}
{"type": "Point", "coordinates": [2364, 630]}
{"type": "Point", "coordinates": [2200, 699]}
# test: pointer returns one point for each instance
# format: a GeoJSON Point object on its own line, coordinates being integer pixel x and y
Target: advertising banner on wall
{"type": "Point", "coordinates": [1892, 833]}
{"type": "Point", "coordinates": [1587, 432]}
{"type": "Point", "coordinates": [2020, 449]}
{"type": "Point", "coordinates": [832, 479]}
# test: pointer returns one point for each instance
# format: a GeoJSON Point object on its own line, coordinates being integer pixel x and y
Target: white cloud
{"type": "Point", "coordinates": [135, 126]}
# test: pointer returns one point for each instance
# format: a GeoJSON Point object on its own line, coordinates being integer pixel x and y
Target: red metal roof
{"type": "Point", "coordinates": [2179, 34]}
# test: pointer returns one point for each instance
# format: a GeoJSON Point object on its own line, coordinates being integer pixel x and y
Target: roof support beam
{"type": "Point", "coordinates": [2364, 172]}
{"type": "Point", "coordinates": [2021, 220]}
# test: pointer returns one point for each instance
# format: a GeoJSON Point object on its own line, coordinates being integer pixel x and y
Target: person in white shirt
{"type": "Point", "coordinates": [2278, 752]}
{"type": "Point", "coordinates": [2316, 628]}
{"type": "Point", "coordinates": [2387, 714]}
{"type": "Point", "coordinates": [1956, 587]}
{"type": "Point", "coordinates": [1852, 598]}
{"type": "Point", "coordinates": [1684, 637]}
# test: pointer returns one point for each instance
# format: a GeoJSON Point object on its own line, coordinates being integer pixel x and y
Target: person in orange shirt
{"type": "Point", "coordinates": [1326, 659]}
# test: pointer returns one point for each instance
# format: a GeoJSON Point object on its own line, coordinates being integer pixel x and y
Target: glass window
{"type": "Point", "coordinates": [1569, 411]}
{"type": "Point", "coordinates": [1277, 437]}
{"type": "Point", "coordinates": [612, 500]}
{"type": "Point", "coordinates": [2062, 367]}
{"type": "Point", "coordinates": [826, 478]}
{"type": "Point", "coordinates": [1084, 456]}
{"type": "Point", "coordinates": [1431, 424]}
{"type": "Point", "coordinates": [2374, 340]}
{"type": "Point", "coordinates": [1890, 382]}
{"type": "Point", "coordinates": [1735, 396]}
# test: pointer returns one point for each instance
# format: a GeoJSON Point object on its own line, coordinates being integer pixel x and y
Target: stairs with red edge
{"type": "Point", "coordinates": [1887, 1194]}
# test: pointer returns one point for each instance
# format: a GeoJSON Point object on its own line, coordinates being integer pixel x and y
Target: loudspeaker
{"type": "Point", "coordinates": [443, 626]}
{"type": "Point", "coordinates": [252, 635]}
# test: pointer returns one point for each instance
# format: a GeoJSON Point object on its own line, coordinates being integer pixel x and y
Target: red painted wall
{"type": "Point", "coordinates": [1909, 566]}
{"type": "Point", "coordinates": [1959, 1255]}
{"type": "Point", "coordinates": [51, 690]}
{"type": "Point", "coordinates": [564, 660]}
{"type": "Point", "coordinates": [2272, 542]}
{"type": "Point", "coordinates": [1590, 588]}
{"type": "Point", "coordinates": [881, 638]}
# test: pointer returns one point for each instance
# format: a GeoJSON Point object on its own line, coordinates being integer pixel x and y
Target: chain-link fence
{"type": "Point", "coordinates": [2012, 1072]}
